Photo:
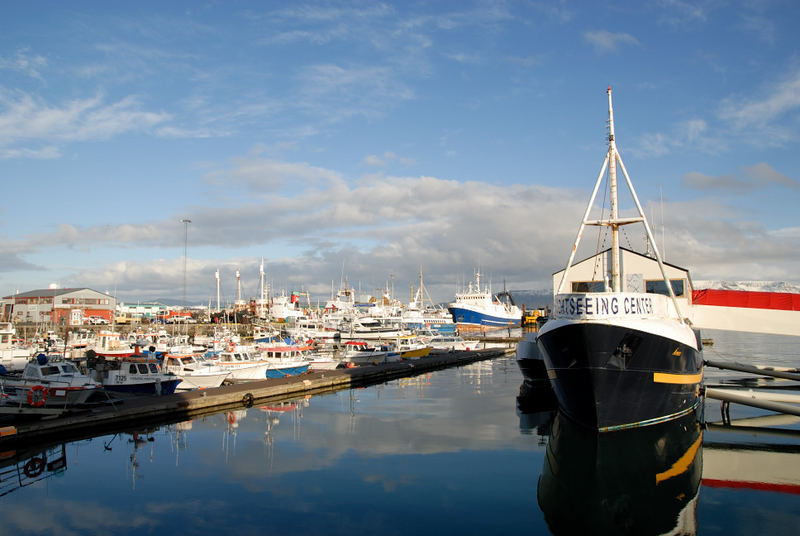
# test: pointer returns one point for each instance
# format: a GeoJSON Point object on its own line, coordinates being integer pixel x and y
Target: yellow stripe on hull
{"type": "Point", "coordinates": [684, 379]}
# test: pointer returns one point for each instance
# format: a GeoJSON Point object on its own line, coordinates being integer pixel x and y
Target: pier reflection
{"type": "Point", "coordinates": [642, 481]}
{"type": "Point", "coordinates": [757, 453]}
{"type": "Point", "coordinates": [20, 469]}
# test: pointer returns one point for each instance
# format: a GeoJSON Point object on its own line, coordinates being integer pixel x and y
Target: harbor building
{"type": "Point", "coordinates": [58, 306]}
{"type": "Point", "coordinates": [140, 312]}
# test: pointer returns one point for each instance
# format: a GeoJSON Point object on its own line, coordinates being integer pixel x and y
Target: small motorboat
{"type": "Point", "coordinates": [195, 372]}
{"type": "Point", "coordinates": [139, 373]}
{"type": "Point", "coordinates": [48, 382]}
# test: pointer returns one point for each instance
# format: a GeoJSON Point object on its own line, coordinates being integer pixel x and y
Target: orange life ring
{"type": "Point", "coordinates": [37, 395]}
{"type": "Point", "coordinates": [34, 467]}
{"type": "Point", "coordinates": [231, 346]}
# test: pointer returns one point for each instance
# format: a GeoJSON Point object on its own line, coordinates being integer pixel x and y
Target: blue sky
{"type": "Point", "coordinates": [367, 139]}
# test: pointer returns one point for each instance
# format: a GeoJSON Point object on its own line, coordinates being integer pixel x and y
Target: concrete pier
{"type": "Point", "coordinates": [122, 415]}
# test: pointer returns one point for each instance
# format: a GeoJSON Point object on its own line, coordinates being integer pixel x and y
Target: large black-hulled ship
{"type": "Point", "coordinates": [620, 358]}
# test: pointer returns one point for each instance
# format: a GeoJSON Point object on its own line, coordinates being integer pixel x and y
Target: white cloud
{"type": "Point", "coordinates": [763, 117]}
{"type": "Point", "coordinates": [605, 41]}
{"type": "Point", "coordinates": [763, 173]}
{"type": "Point", "coordinates": [380, 225]}
{"type": "Point", "coordinates": [725, 183]}
{"type": "Point", "coordinates": [682, 12]}
{"type": "Point", "coordinates": [758, 176]}
{"type": "Point", "coordinates": [25, 62]}
{"type": "Point", "coordinates": [387, 158]}
{"type": "Point", "coordinates": [25, 120]}
{"type": "Point", "coordinates": [263, 175]}
{"type": "Point", "coordinates": [43, 153]}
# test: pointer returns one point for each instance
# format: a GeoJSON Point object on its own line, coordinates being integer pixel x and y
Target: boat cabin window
{"type": "Point", "coordinates": [47, 371]}
{"type": "Point", "coordinates": [588, 286]}
{"type": "Point", "coordinates": [657, 286]}
{"type": "Point", "coordinates": [132, 368]}
{"type": "Point", "coordinates": [142, 368]}
{"type": "Point", "coordinates": [153, 368]}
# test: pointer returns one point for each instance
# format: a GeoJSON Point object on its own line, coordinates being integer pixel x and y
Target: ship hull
{"type": "Point", "coordinates": [470, 318]}
{"type": "Point", "coordinates": [609, 377]}
{"type": "Point", "coordinates": [280, 371]}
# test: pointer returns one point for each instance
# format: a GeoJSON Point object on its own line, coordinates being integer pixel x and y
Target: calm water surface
{"type": "Point", "coordinates": [457, 451]}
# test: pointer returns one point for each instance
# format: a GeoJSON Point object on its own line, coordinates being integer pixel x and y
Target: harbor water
{"type": "Point", "coordinates": [466, 450]}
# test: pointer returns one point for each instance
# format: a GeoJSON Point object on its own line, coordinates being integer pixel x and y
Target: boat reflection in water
{"type": "Point", "coordinates": [20, 469]}
{"type": "Point", "coordinates": [638, 481]}
{"type": "Point", "coordinates": [536, 408]}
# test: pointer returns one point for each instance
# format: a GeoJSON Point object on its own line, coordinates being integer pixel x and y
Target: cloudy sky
{"type": "Point", "coordinates": [366, 140]}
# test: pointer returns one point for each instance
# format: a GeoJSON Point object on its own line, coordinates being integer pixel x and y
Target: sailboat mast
{"type": "Point", "coordinates": [612, 185]}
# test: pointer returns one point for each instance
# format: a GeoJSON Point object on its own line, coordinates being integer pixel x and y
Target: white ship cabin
{"type": "Point", "coordinates": [639, 273]}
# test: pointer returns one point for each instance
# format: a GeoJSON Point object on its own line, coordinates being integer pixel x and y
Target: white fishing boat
{"type": "Point", "coordinates": [112, 344]}
{"type": "Point", "coordinates": [81, 339]}
{"type": "Point", "coordinates": [309, 329]}
{"type": "Point", "coordinates": [48, 383]}
{"type": "Point", "coordinates": [370, 329]}
{"type": "Point", "coordinates": [317, 361]}
{"type": "Point", "coordinates": [361, 353]}
{"type": "Point", "coordinates": [285, 359]}
{"type": "Point", "coordinates": [418, 315]}
{"type": "Point", "coordinates": [195, 372]}
{"type": "Point", "coordinates": [285, 308]}
{"type": "Point", "coordinates": [242, 364]}
{"type": "Point", "coordinates": [12, 355]}
{"type": "Point", "coordinates": [618, 352]}
{"type": "Point", "coordinates": [443, 343]}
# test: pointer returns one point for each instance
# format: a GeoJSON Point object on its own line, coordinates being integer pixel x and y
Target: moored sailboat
{"type": "Point", "coordinates": [620, 357]}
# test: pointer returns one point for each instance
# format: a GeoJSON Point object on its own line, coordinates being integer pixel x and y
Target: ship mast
{"type": "Point", "coordinates": [612, 187]}
{"type": "Point", "coordinates": [614, 221]}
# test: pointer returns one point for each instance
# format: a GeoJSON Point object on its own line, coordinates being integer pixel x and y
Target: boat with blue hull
{"type": "Point", "coordinates": [283, 370]}
{"type": "Point", "coordinates": [478, 309]}
{"type": "Point", "coordinates": [139, 374]}
{"type": "Point", "coordinates": [287, 359]}
{"type": "Point", "coordinates": [621, 357]}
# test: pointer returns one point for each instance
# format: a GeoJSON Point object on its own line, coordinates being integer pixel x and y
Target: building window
{"type": "Point", "coordinates": [588, 286]}
{"type": "Point", "coordinates": [657, 286]}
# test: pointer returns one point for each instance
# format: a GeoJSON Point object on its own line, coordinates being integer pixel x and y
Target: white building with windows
{"type": "Point", "coordinates": [640, 274]}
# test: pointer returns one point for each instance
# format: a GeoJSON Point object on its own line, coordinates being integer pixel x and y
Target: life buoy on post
{"type": "Point", "coordinates": [37, 395]}
{"type": "Point", "coordinates": [231, 346]}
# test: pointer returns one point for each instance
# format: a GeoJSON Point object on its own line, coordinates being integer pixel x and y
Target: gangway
{"type": "Point", "coordinates": [785, 403]}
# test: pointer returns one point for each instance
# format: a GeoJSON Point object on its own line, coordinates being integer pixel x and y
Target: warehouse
{"type": "Point", "coordinates": [64, 306]}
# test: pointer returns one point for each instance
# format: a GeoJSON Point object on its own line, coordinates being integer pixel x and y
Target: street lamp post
{"type": "Point", "coordinates": [185, 223]}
